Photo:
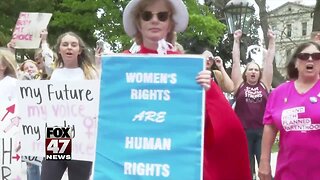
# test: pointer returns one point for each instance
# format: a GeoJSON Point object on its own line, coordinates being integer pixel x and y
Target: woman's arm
{"type": "Point", "coordinates": [268, 137]}
{"type": "Point", "coordinates": [47, 53]}
{"type": "Point", "coordinates": [224, 81]}
{"type": "Point", "coordinates": [11, 46]}
{"type": "Point", "coordinates": [267, 72]}
{"type": "Point", "coordinates": [236, 73]}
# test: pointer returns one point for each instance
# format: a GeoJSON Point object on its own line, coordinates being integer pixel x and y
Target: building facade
{"type": "Point", "coordinates": [292, 23]}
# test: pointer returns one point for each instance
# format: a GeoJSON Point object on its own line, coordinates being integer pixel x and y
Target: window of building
{"type": "Point", "coordinates": [304, 28]}
{"type": "Point", "coordinates": [289, 30]}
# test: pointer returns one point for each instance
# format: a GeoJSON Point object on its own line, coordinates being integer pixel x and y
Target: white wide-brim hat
{"type": "Point", "coordinates": [180, 17]}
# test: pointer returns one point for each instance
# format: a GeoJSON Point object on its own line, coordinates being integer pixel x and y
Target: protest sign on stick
{"type": "Point", "coordinates": [28, 27]}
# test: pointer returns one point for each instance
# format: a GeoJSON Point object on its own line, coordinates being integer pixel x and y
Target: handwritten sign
{"type": "Point", "coordinates": [32, 159]}
{"type": "Point", "coordinates": [71, 104]}
{"type": "Point", "coordinates": [10, 161]}
{"type": "Point", "coordinates": [150, 118]}
{"type": "Point", "coordinates": [26, 33]}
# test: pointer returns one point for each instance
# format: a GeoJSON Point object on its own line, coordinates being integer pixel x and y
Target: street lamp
{"type": "Point", "coordinates": [239, 15]}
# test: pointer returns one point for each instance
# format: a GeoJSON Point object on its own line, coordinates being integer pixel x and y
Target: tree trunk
{"type": "Point", "coordinates": [277, 77]}
{"type": "Point", "coordinates": [316, 16]}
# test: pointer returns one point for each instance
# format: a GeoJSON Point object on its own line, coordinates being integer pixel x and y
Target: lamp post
{"type": "Point", "coordinates": [239, 15]}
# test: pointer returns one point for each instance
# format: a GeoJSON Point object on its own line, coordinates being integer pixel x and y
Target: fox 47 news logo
{"type": "Point", "coordinates": [58, 143]}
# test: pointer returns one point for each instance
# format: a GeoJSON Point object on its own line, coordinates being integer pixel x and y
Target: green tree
{"type": "Point", "coordinates": [81, 17]}
{"type": "Point", "coordinates": [261, 20]}
{"type": "Point", "coordinates": [277, 77]}
{"type": "Point", "coordinates": [204, 30]}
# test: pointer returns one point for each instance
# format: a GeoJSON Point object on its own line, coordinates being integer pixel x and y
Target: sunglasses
{"type": "Point", "coordinates": [210, 59]}
{"type": "Point", "coordinates": [306, 56]}
{"type": "Point", "coordinates": [148, 15]}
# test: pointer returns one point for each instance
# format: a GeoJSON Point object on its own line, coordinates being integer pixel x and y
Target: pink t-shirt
{"type": "Point", "coordinates": [297, 117]}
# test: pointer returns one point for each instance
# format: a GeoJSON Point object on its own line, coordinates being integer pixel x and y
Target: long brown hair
{"type": "Point", "coordinates": [292, 71]}
{"type": "Point", "coordinates": [85, 59]}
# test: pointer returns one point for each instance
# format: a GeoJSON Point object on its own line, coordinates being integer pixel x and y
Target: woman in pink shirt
{"type": "Point", "coordinates": [293, 109]}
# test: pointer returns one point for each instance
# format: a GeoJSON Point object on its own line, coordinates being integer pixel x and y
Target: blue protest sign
{"type": "Point", "coordinates": [151, 118]}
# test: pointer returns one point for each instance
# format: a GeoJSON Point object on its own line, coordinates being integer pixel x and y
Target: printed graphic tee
{"type": "Point", "coordinates": [297, 117]}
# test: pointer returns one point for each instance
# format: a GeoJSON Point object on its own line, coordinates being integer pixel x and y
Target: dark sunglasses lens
{"type": "Point", "coordinates": [303, 56]}
{"type": "Point", "coordinates": [306, 56]}
{"type": "Point", "coordinates": [315, 56]}
{"type": "Point", "coordinates": [146, 15]}
{"type": "Point", "coordinates": [210, 59]}
{"type": "Point", "coordinates": [163, 16]}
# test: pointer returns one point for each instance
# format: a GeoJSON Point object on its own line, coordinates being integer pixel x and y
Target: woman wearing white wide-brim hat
{"type": "Point", "coordinates": [155, 31]}
{"type": "Point", "coordinates": [152, 24]}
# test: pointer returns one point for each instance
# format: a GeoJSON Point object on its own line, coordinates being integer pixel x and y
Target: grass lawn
{"type": "Point", "coordinates": [275, 147]}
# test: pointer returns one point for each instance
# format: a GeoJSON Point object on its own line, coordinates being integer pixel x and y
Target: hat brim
{"type": "Point", "coordinates": [181, 17]}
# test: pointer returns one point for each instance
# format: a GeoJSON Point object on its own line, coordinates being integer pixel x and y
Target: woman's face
{"type": "Point", "coordinates": [39, 61]}
{"type": "Point", "coordinates": [155, 22]}
{"type": "Point", "coordinates": [252, 73]}
{"type": "Point", "coordinates": [69, 50]}
{"type": "Point", "coordinates": [308, 62]}
{"type": "Point", "coordinates": [30, 68]}
{"type": "Point", "coordinates": [209, 61]}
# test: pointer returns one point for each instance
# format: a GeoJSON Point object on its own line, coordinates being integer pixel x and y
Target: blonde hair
{"type": "Point", "coordinates": [85, 59]}
{"type": "Point", "coordinates": [21, 68]}
{"type": "Point", "coordinates": [8, 59]}
{"type": "Point", "coordinates": [179, 47]}
{"type": "Point", "coordinates": [171, 36]}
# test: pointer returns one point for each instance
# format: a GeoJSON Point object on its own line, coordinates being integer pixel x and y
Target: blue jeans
{"type": "Point", "coordinates": [254, 137]}
{"type": "Point", "coordinates": [33, 172]}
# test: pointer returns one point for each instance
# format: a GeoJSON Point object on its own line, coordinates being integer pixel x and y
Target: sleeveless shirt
{"type": "Point", "coordinates": [250, 104]}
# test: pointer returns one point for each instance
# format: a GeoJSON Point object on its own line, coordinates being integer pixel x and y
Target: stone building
{"type": "Point", "coordinates": [292, 23]}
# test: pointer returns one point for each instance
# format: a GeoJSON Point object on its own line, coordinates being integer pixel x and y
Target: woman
{"type": "Point", "coordinates": [74, 63]}
{"type": "Point", "coordinates": [44, 56]}
{"type": "Point", "coordinates": [29, 71]}
{"type": "Point", "coordinates": [220, 76]}
{"type": "Point", "coordinates": [293, 109]}
{"type": "Point", "coordinates": [8, 75]}
{"type": "Point", "coordinates": [251, 92]}
{"type": "Point", "coordinates": [152, 24]}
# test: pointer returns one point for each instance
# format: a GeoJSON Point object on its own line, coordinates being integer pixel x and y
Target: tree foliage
{"type": "Point", "coordinates": [81, 17]}
{"type": "Point", "coordinates": [204, 30]}
{"type": "Point", "coordinates": [251, 39]}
